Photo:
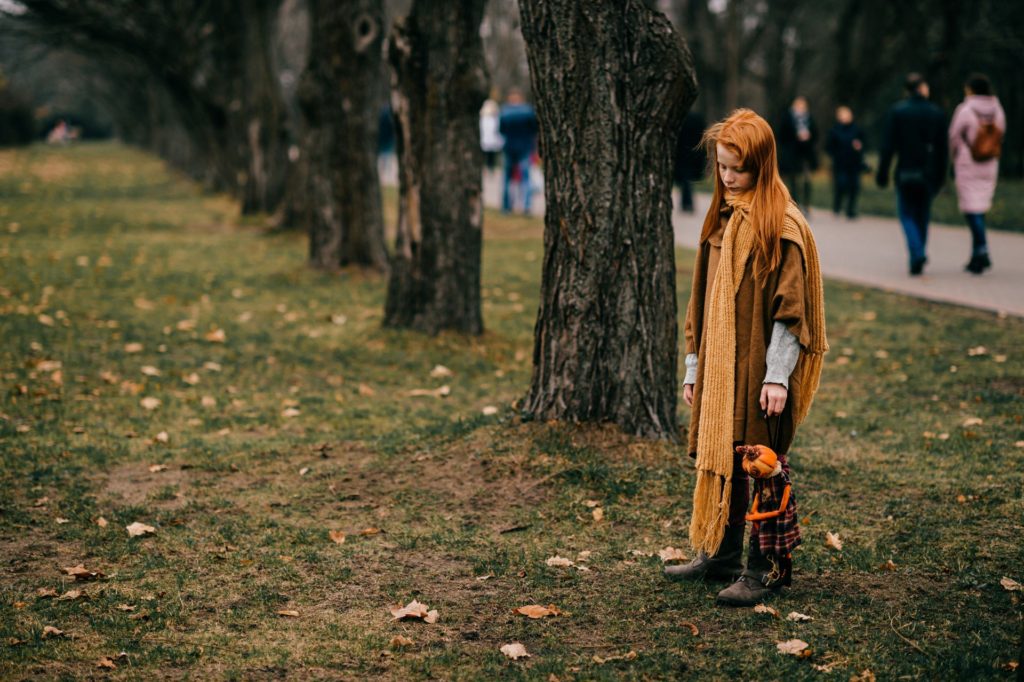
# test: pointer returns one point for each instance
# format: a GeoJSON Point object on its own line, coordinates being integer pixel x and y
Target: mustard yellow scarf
{"type": "Point", "coordinates": [714, 439]}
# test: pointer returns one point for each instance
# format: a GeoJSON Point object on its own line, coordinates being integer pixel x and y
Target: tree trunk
{"type": "Point", "coordinates": [612, 83]}
{"type": "Point", "coordinates": [440, 82]}
{"type": "Point", "coordinates": [339, 104]}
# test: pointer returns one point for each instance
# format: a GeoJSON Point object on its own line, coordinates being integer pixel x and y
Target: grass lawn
{"type": "Point", "coordinates": [164, 362]}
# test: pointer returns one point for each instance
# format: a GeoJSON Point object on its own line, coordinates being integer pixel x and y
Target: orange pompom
{"type": "Point", "coordinates": [759, 461]}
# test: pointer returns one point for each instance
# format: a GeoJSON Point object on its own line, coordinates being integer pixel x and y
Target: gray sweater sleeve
{"type": "Point", "coordinates": [783, 352]}
{"type": "Point", "coordinates": [691, 368]}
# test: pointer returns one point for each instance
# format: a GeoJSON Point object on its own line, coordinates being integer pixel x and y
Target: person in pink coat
{"type": "Point", "coordinates": [975, 180]}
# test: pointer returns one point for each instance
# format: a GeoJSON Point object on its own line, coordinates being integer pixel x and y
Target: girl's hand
{"type": "Point", "coordinates": [773, 398]}
{"type": "Point", "coordinates": [688, 394]}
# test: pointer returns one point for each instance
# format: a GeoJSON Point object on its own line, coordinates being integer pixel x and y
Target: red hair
{"type": "Point", "coordinates": [750, 138]}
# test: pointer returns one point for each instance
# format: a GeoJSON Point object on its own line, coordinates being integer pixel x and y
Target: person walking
{"type": "Point", "coordinates": [755, 341]}
{"type": "Point", "coordinates": [517, 123]}
{"type": "Point", "coordinates": [915, 133]}
{"type": "Point", "coordinates": [798, 155]}
{"type": "Point", "coordinates": [845, 145]}
{"type": "Point", "coordinates": [491, 141]}
{"type": "Point", "coordinates": [975, 139]}
{"type": "Point", "coordinates": [690, 158]}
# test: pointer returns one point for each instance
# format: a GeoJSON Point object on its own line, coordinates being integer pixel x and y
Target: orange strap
{"type": "Point", "coordinates": [754, 515]}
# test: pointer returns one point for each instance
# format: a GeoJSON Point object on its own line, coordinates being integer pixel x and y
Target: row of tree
{"type": "Point", "coordinates": [611, 79]}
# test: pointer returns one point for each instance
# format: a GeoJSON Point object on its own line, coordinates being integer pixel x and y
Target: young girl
{"type": "Point", "coordinates": [755, 337]}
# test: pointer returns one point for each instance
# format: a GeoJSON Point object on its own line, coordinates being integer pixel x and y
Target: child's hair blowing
{"type": "Point", "coordinates": [749, 136]}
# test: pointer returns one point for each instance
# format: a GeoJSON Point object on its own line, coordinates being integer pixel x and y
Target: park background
{"type": "Point", "coordinates": [170, 357]}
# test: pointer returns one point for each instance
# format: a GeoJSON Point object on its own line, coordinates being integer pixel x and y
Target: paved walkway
{"type": "Point", "coordinates": [871, 251]}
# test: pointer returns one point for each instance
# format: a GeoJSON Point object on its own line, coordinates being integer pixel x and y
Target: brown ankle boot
{"type": "Point", "coordinates": [725, 565]}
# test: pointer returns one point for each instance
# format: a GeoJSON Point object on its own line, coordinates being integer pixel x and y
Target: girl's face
{"type": "Point", "coordinates": [734, 176]}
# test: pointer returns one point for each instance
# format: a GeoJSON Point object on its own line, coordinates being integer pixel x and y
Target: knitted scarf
{"type": "Point", "coordinates": [714, 439]}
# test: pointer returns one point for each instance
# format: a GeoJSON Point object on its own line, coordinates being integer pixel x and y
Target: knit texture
{"type": "Point", "coordinates": [714, 442]}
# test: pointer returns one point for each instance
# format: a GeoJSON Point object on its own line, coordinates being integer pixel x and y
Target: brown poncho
{"type": "Point", "coordinates": [728, 324]}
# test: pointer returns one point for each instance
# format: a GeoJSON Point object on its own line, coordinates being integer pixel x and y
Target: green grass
{"type": "Point", "coordinates": [102, 246]}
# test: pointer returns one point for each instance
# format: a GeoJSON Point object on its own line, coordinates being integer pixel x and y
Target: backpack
{"type": "Point", "coordinates": [988, 143]}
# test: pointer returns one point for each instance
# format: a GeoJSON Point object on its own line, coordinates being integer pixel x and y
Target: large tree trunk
{"type": "Point", "coordinates": [338, 95]}
{"type": "Point", "coordinates": [612, 83]}
{"type": "Point", "coordinates": [440, 81]}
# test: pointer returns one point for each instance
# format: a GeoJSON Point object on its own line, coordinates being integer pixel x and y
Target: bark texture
{"type": "Point", "coordinates": [612, 82]}
{"type": "Point", "coordinates": [338, 97]}
{"type": "Point", "coordinates": [439, 84]}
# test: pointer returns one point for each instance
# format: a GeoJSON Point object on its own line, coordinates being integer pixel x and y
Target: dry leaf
{"type": "Point", "coordinates": [185, 325]}
{"type": "Point", "coordinates": [559, 561]}
{"type": "Point", "coordinates": [162, 437]}
{"type": "Point", "coordinates": [621, 657]}
{"type": "Point", "coordinates": [144, 304]}
{"type": "Point", "coordinates": [105, 662]}
{"type": "Point", "coordinates": [1011, 585]}
{"type": "Point", "coordinates": [973, 421]}
{"type": "Point", "coordinates": [290, 412]}
{"type": "Point", "coordinates": [337, 537]}
{"type": "Point", "coordinates": [536, 611]}
{"type": "Point", "coordinates": [139, 529]}
{"type": "Point", "coordinates": [414, 610]}
{"type": "Point", "coordinates": [865, 676]}
{"type": "Point", "coordinates": [366, 390]}
{"type": "Point", "coordinates": [150, 403]}
{"type": "Point", "coordinates": [46, 593]}
{"type": "Point", "coordinates": [515, 651]}
{"type": "Point", "coordinates": [591, 503]}
{"type": "Point", "coordinates": [124, 607]}
{"type": "Point", "coordinates": [641, 553]}
{"type": "Point", "coordinates": [61, 521]}
{"type": "Point", "coordinates": [1011, 666]}
{"type": "Point", "coordinates": [289, 613]}
{"type": "Point", "coordinates": [584, 555]}
{"type": "Point", "coordinates": [71, 595]}
{"type": "Point", "coordinates": [216, 336]}
{"type": "Point", "coordinates": [101, 522]}
{"type": "Point", "coordinates": [157, 468]}
{"type": "Point", "coordinates": [338, 319]}
{"type": "Point", "coordinates": [794, 647]}
{"type": "Point", "coordinates": [45, 320]}
{"type": "Point", "coordinates": [134, 347]}
{"type": "Point", "coordinates": [976, 351]}
{"type": "Point", "coordinates": [798, 617]}
{"type": "Point", "coordinates": [398, 641]}
{"type": "Point", "coordinates": [764, 608]}
{"type": "Point", "coordinates": [598, 514]}
{"type": "Point", "coordinates": [208, 401]}
{"type": "Point", "coordinates": [881, 354]}
{"type": "Point", "coordinates": [833, 541]}
{"type": "Point", "coordinates": [80, 572]}
{"type": "Point", "coordinates": [441, 372]}
{"type": "Point", "coordinates": [889, 565]}
{"type": "Point", "coordinates": [212, 366]}
{"type": "Point", "coordinates": [441, 392]}
{"type": "Point", "coordinates": [489, 410]}
{"type": "Point", "coordinates": [671, 554]}
{"type": "Point", "coordinates": [191, 379]}
{"type": "Point", "coordinates": [370, 531]}
{"type": "Point", "coordinates": [50, 631]}
{"type": "Point", "coordinates": [481, 578]}
{"type": "Point", "coordinates": [150, 371]}
{"type": "Point", "coordinates": [693, 628]}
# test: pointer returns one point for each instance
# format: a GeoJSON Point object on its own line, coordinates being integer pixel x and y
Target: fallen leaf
{"type": "Point", "coordinates": [41, 502]}
{"type": "Point", "coordinates": [798, 617]}
{"type": "Point", "coordinates": [764, 608]}
{"type": "Point", "coordinates": [515, 651]}
{"type": "Point", "coordinates": [338, 319]}
{"type": "Point", "coordinates": [157, 468]}
{"type": "Point", "coordinates": [150, 403]}
{"type": "Point", "coordinates": [693, 628]}
{"type": "Point", "coordinates": [133, 347]}
{"type": "Point", "coordinates": [289, 613]}
{"type": "Point", "coordinates": [833, 541]}
{"type": "Point", "coordinates": [304, 470]}
{"type": "Point", "coordinates": [50, 631]}
{"type": "Point", "coordinates": [558, 561]}
{"type": "Point", "coordinates": [881, 354]}
{"type": "Point", "coordinates": [290, 412]}
{"type": "Point", "coordinates": [641, 553]}
{"type": "Point", "coordinates": [124, 607]}
{"type": "Point", "coordinates": [337, 537]}
{"type": "Point", "coordinates": [216, 335]}
{"type": "Point", "coordinates": [598, 514]}
{"type": "Point", "coordinates": [398, 641]}
{"type": "Point", "coordinates": [162, 437]}
{"type": "Point", "coordinates": [489, 411]}
{"type": "Point", "coordinates": [80, 572]}
{"type": "Point", "coordinates": [1011, 585]}
{"type": "Point", "coordinates": [71, 595]}
{"type": "Point", "coordinates": [440, 392]}
{"type": "Point", "coordinates": [370, 531]}
{"type": "Point", "coordinates": [49, 365]}
{"type": "Point", "coordinates": [973, 421]}
{"type": "Point", "coordinates": [889, 565]}
{"type": "Point", "coordinates": [481, 578]}
{"type": "Point", "coordinates": [414, 610]}
{"type": "Point", "coordinates": [144, 304]}
{"type": "Point", "coordinates": [101, 522]}
{"type": "Point", "coordinates": [584, 555]}
{"type": "Point", "coordinates": [366, 390]}
{"type": "Point", "coordinates": [105, 662]}
{"type": "Point", "coordinates": [976, 351]}
{"type": "Point", "coordinates": [46, 593]}
{"type": "Point", "coordinates": [671, 554]}
{"type": "Point", "coordinates": [1011, 666]}
{"type": "Point", "coordinates": [137, 529]}
{"type": "Point", "coordinates": [151, 371]}
{"type": "Point", "coordinates": [536, 611]}
{"type": "Point", "coordinates": [865, 676]}
{"type": "Point", "coordinates": [591, 503]}
{"type": "Point", "coordinates": [440, 372]}
{"type": "Point", "coordinates": [14, 641]}
{"type": "Point", "coordinates": [45, 320]}
{"type": "Point", "coordinates": [191, 378]}
{"type": "Point", "coordinates": [60, 521]}
{"type": "Point", "coordinates": [794, 647]}
{"type": "Point", "coordinates": [621, 657]}
{"type": "Point", "coordinates": [999, 358]}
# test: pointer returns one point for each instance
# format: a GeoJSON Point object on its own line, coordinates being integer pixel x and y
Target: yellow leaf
{"type": "Point", "coordinates": [134, 347]}
{"type": "Point", "coordinates": [398, 641]}
{"type": "Point", "coordinates": [833, 541]}
{"type": "Point", "coordinates": [536, 611]}
{"type": "Point", "coordinates": [1011, 585]}
{"type": "Point", "coordinates": [337, 537]}
{"type": "Point", "coordinates": [764, 608]}
{"type": "Point", "coordinates": [671, 554]}
{"type": "Point", "coordinates": [598, 514]}
{"type": "Point", "coordinates": [101, 522]}
{"type": "Point", "coordinates": [216, 335]}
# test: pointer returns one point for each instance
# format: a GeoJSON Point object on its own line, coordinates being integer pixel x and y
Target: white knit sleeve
{"type": "Point", "coordinates": [691, 368]}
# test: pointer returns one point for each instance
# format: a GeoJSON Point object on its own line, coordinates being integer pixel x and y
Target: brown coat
{"type": "Point", "coordinates": [758, 307]}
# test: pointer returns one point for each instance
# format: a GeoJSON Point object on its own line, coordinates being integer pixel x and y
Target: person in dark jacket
{"type": "Point", "coordinates": [690, 160]}
{"type": "Point", "coordinates": [797, 140]}
{"type": "Point", "coordinates": [517, 123]}
{"type": "Point", "coordinates": [845, 144]}
{"type": "Point", "coordinates": [915, 133]}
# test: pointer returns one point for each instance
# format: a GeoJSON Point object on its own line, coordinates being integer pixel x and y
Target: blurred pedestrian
{"type": "Point", "coordinates": [845, 144]}
{"type": "Point", "coordinates": [915, 133]}
{"type": "Point", "coordinates": [386, 166]}
{"type": "Point", "coordinates": [517, 124]}
{"type": "Point", "coordinates": [797, 137]}
{"type": "Point", "coordinates": [491, 141]}
{"type": "Point", "coordinates": [975, 141]}
{"type": "Point", "coordinates": [690, 158]}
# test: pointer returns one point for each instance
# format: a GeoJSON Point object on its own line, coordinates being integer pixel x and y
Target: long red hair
{"type": "Point", "coordinates": [749, 136]}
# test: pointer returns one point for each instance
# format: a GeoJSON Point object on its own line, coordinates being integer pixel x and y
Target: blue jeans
{"type": "Point", "coordinates": [914, 205]}
{"type": "Point", "coordinates": [524, 183]}
{"type": "Point", "coordinates": [976, 221]}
